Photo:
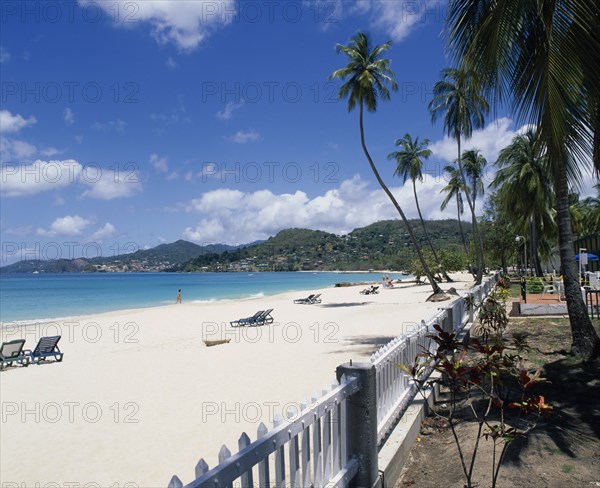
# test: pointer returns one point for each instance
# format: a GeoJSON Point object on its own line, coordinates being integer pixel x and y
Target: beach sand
{"type": "Point", "coordinates": [139, 397]}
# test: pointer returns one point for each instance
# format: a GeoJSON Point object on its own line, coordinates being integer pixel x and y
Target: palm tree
{"type": "Point", "coordinates": [409, 164]}
{"type": "Point", "coordinates": [525, 191]}
{"type": "Point", "coordinates": [590, 207]}
{"type": "Point", "coordinates": [542, 57]}
{"type": "Point", "coordinates": [458, 98]}
{"type": "Point", "coordinates": [454, 189]}
{"type": "Point", "coordinates": [474, 163]}
{"type": "Point", "coordinates": [366, 79]}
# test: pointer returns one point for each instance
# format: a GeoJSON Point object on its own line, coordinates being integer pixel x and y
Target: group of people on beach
{"type": "Point", "coordinates": [387, 283]}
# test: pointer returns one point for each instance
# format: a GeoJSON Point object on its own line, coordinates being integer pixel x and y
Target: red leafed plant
{"type": "Point", "coordinates": [483, 377]}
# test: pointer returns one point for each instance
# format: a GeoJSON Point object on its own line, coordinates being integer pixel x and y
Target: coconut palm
{"type": "Point", "coordinates": [409, 164]}
{"type": "Point", "coordinates": [542, 58]}
{"type": "Point", "coordinates": [454, 189]}
{"type": "Point", "coordinates": [366, 78]}
{"type": "Point", "coordinates": [474, 163]}
{"type": "Point", "coordinates": [458, 98]}
{"type": "Point", "coordinates": [525, 191]}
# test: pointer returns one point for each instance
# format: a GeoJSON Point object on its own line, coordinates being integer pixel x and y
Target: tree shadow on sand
{"type": "Point", "coordinates": [344, 304]}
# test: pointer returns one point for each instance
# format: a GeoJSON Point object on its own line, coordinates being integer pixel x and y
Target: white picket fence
{"type": "Point", "coordinates": [315, 439]}
{"type": "Point", "coordinates": [394, 390]}
{"type": "Point", "coordinates": [315, 442]}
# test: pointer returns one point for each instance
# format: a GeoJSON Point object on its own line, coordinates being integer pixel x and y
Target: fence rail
{"type": "Point", "coordinates": [320, 445]}
{"type": "Point", "coordinates": [315, 442]}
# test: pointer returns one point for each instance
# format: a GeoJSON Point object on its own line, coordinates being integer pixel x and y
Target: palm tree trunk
{"type": "Point", "coordinates": [435, 256]}
{"type": "Point", "coordinates": [462, 234]}
{"type": "Point", "coordinates": [535, 255]}
{"type": "Point", "coordinates": [476, 236]}
{"type": "Point", "coordinates": [596, 150]}
{"type": "Point", "coordinates": [434, 285]}
{"type": "Point", "coordinates": [586, 342]}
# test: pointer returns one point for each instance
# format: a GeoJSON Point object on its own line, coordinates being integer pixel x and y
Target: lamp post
{"type": "Point", "coordinates": [518, 239]}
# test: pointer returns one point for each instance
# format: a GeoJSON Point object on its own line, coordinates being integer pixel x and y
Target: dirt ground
{"type": "Point", "coordinates": [562, 451]}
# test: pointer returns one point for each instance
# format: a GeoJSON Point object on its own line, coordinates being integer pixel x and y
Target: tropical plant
{"type": "Point", "coordinates": [498, 232]}
{"type": "Point", "coordinates": [454, 189]}
{"type": "Point", "coordinates": [525, 191]}
{"type": "Point", "coordinates": [366, 79]}
{"type": "Point", "coordinates": [492, 318]}
{"type": "Point", "coordinates": [457, 97]}
{"type": "Point", "coordinates": [409, 164]}
{"type": "Point", "coordinates": [475, 375]}
{"type": "Point", "coordinates": [585, 214]}
{"type": "Point", "coordinates": [542, 57]}
{"type": "Point", "coordinates": [474, 163]}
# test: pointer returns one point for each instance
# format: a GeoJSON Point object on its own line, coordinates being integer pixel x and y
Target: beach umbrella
{"type": "Point", "coordinates": [590, 256]}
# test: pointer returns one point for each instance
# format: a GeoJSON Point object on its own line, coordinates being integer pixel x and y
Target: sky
{"type": "Point", "coordinates": [128, 124]}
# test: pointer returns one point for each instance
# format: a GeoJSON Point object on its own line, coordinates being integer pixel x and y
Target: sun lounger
{"type": "Point", "coordinates": [47, 347]}
{"type": "Point", "coordinates": [370, 291]}
{"type": "Point", "coordinates": [261, 317]}
{"type": "Point", "coordinates": [305, 300]}
{"type": "Point", "coordinates": [12, 352]}
{"type": "Point", "coordinates": [309, 300]}
{"type": "Point", "coordinates": [266, 318]}
{"type": "Point", "coordinates": [247, 320]}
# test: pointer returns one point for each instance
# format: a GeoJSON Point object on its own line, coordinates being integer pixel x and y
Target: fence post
{"type": "Point", "coordinates": [361, 422]}
{"type": "Point", "coordinates": [448, 323]}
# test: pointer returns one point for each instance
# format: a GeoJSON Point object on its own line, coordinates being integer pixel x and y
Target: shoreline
{"type": "Point", "coordinates": [144, 381]}
{"type": "Point", "coordinates": [125, 308]}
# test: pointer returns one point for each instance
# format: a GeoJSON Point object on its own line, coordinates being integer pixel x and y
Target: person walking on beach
{"type": "Point", "coordinates": [178, 296]}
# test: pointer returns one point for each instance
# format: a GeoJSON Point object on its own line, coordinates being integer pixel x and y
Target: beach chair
{"type": "Point", "coordinates": [315, 299]}
{"type": "Point", "coordinates": [247, 320]}
{"type": "Point", "coordinates": [370, 291]}
{"type": "Point", "coordinates": [46, 347]}
{"type": "Point", "coordinates": [308, 299]}
{"type": "Point", "coordinates": [593, 280]}
{"type": "Point", "coordinates": [12, 352]}
{"type": "Point", "coordinates": [265, 318]}
{"type": "Point", "coordinates": [549, 288]}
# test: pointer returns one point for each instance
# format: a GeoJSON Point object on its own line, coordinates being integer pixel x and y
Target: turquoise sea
{"type": "Point", "coordinates": [34, 297]}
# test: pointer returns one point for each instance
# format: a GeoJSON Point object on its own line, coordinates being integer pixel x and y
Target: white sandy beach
{"type": "Point", "coordinates": [139, 397]}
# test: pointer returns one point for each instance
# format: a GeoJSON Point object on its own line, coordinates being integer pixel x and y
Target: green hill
{"type": "Point", "coordinates": [383, 245]}
{"type": "Point", "coordinates": [159, 258]}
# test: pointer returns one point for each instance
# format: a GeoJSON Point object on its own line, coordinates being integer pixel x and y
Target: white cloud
{"type": "Point", "coordinates": [19, 231]}
{"type": "Point", "coordinates": [394, 18]}
{"type": "Point", "coordinates": [48, 152]}
{"type": "Point", "coordinates": [112, 125]}
{"type": "Point", "coordinates": [108, 185]}
{"type": "Point", "coordinates": [235, 217]}
{"type": "Point", "coordinates": [4, 55]}
{"type": "Point", "coordinates": [185, 24]}
{"type": "Point", "coordinates": [400, 17]}
{"type": "Point", "coordinates": [177, 116]}
{"type": "Point", "coordinates": [490, 141]}
{"type": "Point", "coordinates": [69, 226]}
{"type": "Point", "coordinates": [68, 116]}
{"type": "Point", "coordinates": [227, 112]}
{"type": "Point", "coordinates": [170, 63]}
{"type": "Point", "coordinates": [15, 149]}
{"type": "Point", "coordinates": [104, 232]}
{"type": "Point", "coordinates": [10, 123]}
{"type": "Point", "coordinates": [40, 176]}
{"type": "Point", "coordinates": [242, 137]}
{"type": "Point", "coordinates": [160, 164]}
